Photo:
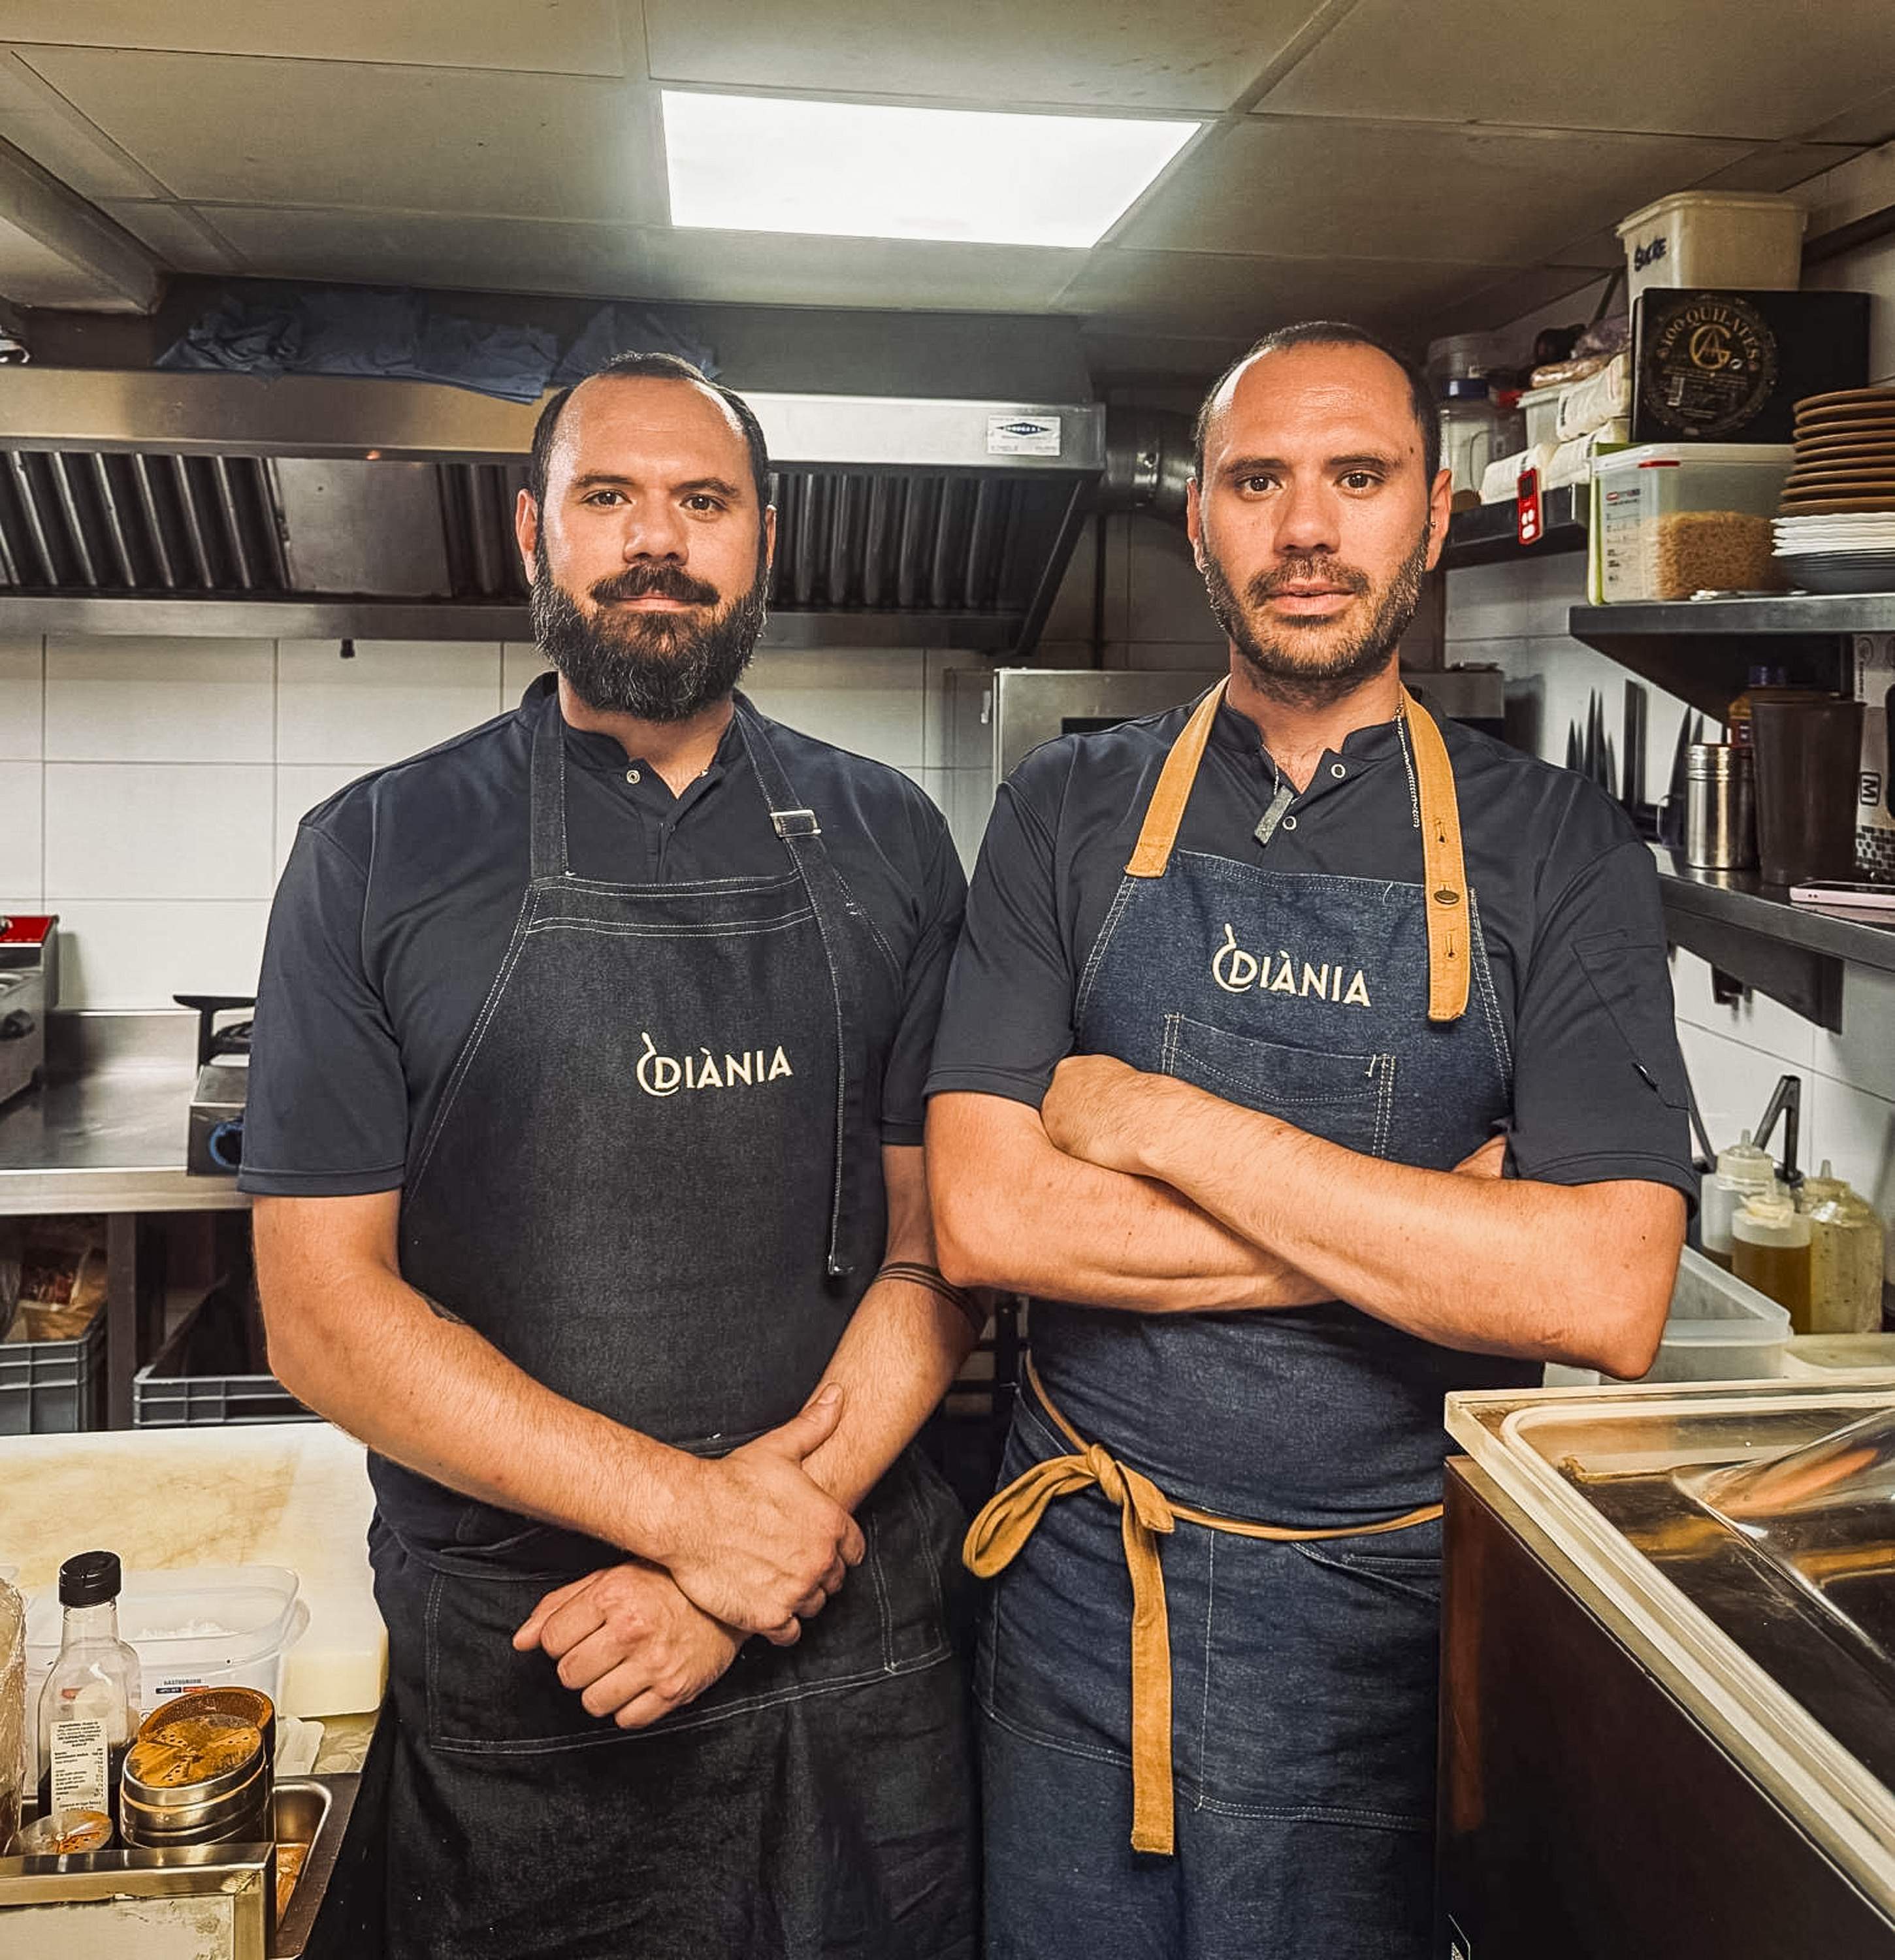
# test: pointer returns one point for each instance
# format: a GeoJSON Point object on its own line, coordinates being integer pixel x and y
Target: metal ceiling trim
{"type": "Point", "coordinates": [117, 409]}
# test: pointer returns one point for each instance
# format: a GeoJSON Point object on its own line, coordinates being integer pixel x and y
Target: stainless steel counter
{"type": "Point", "coordinates": [106, 1132]}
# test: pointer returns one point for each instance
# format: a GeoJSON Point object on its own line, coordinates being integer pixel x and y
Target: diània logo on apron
{"type": "Point", "coordinates": [1238, 972]}
{"type": "Point", "coordinates": [665, 1074]}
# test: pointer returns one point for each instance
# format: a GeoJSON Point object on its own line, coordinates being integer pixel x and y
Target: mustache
{"type": "Point", "coordinates": [1311, 571]}
{"type": "Point", "coordinates": [654, 581]}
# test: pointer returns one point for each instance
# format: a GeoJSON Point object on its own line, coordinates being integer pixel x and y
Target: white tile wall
{"type": "Point", "coordinates": [393, 698]}
{"type": "Point", "coordinates": [161, 700]}
{"type": "Point", "coordinates": [159, 830]}
{"type": "Point", "coordinates": [1515, 614]}
{"type": "Point", "coordinates": [138, 952]}
{"type": "Point", "coordinates": [22, 700]}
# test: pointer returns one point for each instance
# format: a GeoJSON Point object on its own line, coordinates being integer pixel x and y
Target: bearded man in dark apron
{"type": "Point", "coordinates": [585, 1124]}
{"type": "Point", "coordinates": [1256, 1002]}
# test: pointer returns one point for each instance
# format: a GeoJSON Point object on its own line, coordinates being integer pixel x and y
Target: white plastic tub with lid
{"type": "Point", "coordinates": [202, 1627]}
{"type": "Point", "coordinates": [1721, 239]}
{"type": "Point", "coordinates": [1719, 1330]}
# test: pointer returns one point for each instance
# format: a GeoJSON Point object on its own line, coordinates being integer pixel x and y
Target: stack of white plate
{"type": "Point", "coordinates": [1847, 553]}
{"type": "Point", "coordinates": [1836, 531]}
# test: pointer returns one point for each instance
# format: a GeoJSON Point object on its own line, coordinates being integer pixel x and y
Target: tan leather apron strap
{"type": "Point", "coordinates": [999, 1532]}
{"type": "Point", "coordinates": [1005, 1523]}
{"type": "Point", "coordinates": [1444, 875]}
{"type": "Point", "coordinates": [1166, 809]}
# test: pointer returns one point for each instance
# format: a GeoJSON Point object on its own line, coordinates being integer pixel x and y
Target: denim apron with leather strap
{"type": "Point", "coordinates": [1362, 1011]}
{"type": "Point", "coordinates": [651, 1184]}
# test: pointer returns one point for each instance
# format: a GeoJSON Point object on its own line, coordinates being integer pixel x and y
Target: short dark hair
{"type": "Point", "coordinates": [656, 367]}
{"type": "Point", "coordinates": [1333, 333]}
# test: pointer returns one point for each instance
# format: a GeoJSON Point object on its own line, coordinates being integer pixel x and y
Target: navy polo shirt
{"type": "Point", "coordinates": [1567, 895]}
{"type": "Point", "coordinates": [401, 892]}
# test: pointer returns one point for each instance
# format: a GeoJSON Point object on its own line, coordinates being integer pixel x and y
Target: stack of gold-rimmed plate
{"type": "Point", "coordinates": [1835, 532]}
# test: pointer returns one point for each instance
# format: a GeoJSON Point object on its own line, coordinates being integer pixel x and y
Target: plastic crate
{"type": "Point", "coordinates": [191, 1384]}
{"type": "Point", "coordinates": [51, 1388]}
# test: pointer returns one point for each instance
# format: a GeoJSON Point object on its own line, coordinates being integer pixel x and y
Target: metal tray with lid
{"type": "Point", "coordinates": [1791, 1670]}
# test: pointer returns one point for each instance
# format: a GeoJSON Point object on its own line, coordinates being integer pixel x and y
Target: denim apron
{"type": "Point", "coordinates": [1207, 1667]}
{"type": "Point", "coordinates": [652, 1185]}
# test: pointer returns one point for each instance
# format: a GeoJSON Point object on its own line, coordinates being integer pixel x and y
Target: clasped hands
{"type": "Point", "coordinates": [752, 1545]}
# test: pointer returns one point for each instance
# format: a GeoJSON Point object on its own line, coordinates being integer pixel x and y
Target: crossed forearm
{"type": "Point", "coordinates": [1487, 1265]}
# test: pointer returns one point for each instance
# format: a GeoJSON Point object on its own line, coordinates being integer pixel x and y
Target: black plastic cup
{"type": "Point", "coordinates": [1808, 766]}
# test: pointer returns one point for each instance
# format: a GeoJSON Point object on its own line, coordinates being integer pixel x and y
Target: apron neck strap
{"type": "Point", "coordinates": [832, 906]}
{"type": "Point", "coordinates": [548, 832]}
{"type": "Point", "coordinates": [1165, 811]}
{"type": "Point", "coordinates": [1444, 873]}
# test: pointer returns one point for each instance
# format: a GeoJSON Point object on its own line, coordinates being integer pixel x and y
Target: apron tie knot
{"type": "Point", "coordinates": [1008, 1518]}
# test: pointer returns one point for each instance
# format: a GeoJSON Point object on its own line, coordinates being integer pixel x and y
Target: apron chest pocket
{"type": "Point", "coordinates": [1346, 1098]}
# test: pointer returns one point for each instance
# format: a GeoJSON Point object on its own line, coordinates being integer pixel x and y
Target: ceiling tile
{"type": "Point", "coordinates": [1126, 54]}
{"type": "Point", "coordinates": [551, 36]}
{"type": "Point", "coordinates": [1778, 167]}
{"type": "Point", "coordinates": [770, 268]}
{"type": "Point", "coordinates": [1600, 251]}
{"type": "Point", "coordinates": [1218, 294]}
{"type": "Point", "coordinates": [1695, 67]}
{"type": "Point", "coordinates": [407, 248]}
{"type": "Point", "coordinates": [333, 134]}
{"type": "Point", "coordinates": [176, 235]}
{"type": "Point", "coordinates": [1302, 187]}
{"type": "Point", "coordinates": [1870, 120]}
{"type": "Point", "coordinates": [36, 118]}
{"type": "Point", "coordinates": [1511, 298]}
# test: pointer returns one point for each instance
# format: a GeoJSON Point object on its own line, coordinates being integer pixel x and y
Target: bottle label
{"type": "Point", "coordinates": [80, 1754]}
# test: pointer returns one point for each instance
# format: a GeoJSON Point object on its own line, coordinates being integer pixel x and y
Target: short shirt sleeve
{"type": "Point", "coordinates": [924, 982]}
{"type": "Point", "coordinates": [1007, 1021]}
{"type": "Point", "coordinates": [1600, 1091]}
{"type": "Point", "coordinates": [327, 1111]}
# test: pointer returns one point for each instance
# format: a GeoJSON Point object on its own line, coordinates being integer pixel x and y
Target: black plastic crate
{"type": "Point", "coordinates": [207, 1374]}
{"type": "Point", "coordinates": [52, 1388]}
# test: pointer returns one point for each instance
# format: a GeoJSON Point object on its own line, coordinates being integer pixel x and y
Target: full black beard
{"type": "Point", "coordinates": [1280, 667]}
{"type": "Point", "coordinates": [657, 666]}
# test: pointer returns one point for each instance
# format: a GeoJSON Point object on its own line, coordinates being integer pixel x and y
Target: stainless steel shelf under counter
{"type": "Point", "coordinates": [105, 1133]}
{"type": "Point", "coordinates": [1658, 1735]}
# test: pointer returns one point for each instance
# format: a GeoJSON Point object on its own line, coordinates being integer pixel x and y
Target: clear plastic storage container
{"type": "Point", "coordinates": [1719, 1330]}
{"type": "Point", "coordinates": [207, 1627]}
{"type": "Point", "coordinates": [1670, 520]}
{"type": "Point", "coordinates": [1722, 240]}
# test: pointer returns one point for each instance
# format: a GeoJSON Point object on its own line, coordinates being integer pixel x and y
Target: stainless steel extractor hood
{"type": "Point", "coordinates": [158, 502]}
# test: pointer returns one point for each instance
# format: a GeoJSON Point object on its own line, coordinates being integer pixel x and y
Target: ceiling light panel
{"type": "Point", "coordinates": [764, 163]}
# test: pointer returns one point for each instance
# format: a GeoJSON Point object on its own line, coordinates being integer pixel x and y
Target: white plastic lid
{"type": "Point", "coordinates": [1677, 455]}
{"type": "Point", "coordinates": [1744, 1163]}
{"type": "Point", "coordinates": [243, 1613]}
{"type": "Point", "coordinates": [1710, 200]}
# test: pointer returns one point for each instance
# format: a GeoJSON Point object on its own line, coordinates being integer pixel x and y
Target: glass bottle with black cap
{"type": "Point", "coordinates": [89, 1707]}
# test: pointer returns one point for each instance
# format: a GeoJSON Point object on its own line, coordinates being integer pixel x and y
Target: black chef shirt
{"type": "Point", "coordinates": [1568, 898]}
{"type": "Point", "coordinates": [401, 894]}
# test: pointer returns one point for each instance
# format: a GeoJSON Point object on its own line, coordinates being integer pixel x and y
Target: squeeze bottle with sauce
{"type": "Point", "coordinates": [1770, 1250]}
{"type": "Point", "coordinates": [89, 1707]}
{"type": "Point", "coordinates": [1847, 1240]}
{"type": "Point", "coordinates": [1741, 1170]}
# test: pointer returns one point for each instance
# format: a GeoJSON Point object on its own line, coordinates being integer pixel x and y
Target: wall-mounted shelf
{"type": "Point", "coordinates": [1488, 534]}
{"type": "Point", "coordinates": [1703, 650]}
{"type": "Point", "coordinates": [1751, 931]}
